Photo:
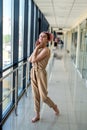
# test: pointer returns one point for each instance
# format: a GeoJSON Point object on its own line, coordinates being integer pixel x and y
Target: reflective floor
{"type": "Point", "coordinates": [67, 89]}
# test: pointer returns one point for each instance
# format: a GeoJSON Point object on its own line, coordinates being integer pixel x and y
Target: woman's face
{"type": "Point", "coordinates": [43, 38]}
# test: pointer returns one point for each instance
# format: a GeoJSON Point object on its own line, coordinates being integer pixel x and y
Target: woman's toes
{"type": "Point", "coordinates": [35, 119]}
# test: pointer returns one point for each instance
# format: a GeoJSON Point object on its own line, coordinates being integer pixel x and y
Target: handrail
{"type": "Point", "coordinates": [7, 96]}
{"type": "Point", "coordinates": [12, 71]}
{"type": "Point", "coordinates": [15, 70]}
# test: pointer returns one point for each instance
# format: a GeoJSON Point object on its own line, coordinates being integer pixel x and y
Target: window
{"type": "Point", "coordinates": [20, 78]}
{"type": "Point", "coordinates": [7, 90]}
{"type": "Point", "coordinates": [29, 26]}
{"type": "Point", "coordinates": [7, 33]}
{"type": "Point", "coordinates": [21, 28]}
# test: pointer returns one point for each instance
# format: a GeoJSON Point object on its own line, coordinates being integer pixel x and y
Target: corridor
{"type": "Point", "coordinates": [67, 89]}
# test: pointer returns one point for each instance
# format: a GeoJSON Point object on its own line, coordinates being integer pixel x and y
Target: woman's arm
{"type": "Point", "coordinates": [37, 44]}
{"type": "Point", "coordinates": [33, 55]}
{"type": "Point", "coordinates": [38, 57]}
{"type": "Point", "coordinates": [30, 58]}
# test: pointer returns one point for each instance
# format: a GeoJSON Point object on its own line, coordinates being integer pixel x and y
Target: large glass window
{"type": "Point", "coordinates": [7, 90]}
{"type": "Point", "coordinates": [74, 46]}
{"type": "Point", "coordinates": [21, 28]}
{"type": "Point", "coordinates": [83, 49]}
{"type": "Point", "coordinates": [20, 78]}
{"type": "Point", "coordinates": [83, 43]}
{"type": "Point", "coordinates": [7, 33]}
{"type": "Point", "coordinates": [34, 26]}
{"type": "Point", "coordinates": [29, 26]}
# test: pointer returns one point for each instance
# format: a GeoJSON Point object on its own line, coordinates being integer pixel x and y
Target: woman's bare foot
{"type": "Point", "coordinates": [56, 110]}
{"type": "Point", "coordinates": [35, 119]}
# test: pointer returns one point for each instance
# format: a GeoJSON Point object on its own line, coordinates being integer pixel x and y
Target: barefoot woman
{"type": "Point", "coordinates": [39, 59]}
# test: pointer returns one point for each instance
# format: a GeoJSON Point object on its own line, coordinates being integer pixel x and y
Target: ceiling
{"type": "Point", "coordinates": [63, 13]}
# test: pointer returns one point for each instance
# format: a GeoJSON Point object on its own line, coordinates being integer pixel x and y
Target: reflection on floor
{"type": "Point", "coordinates": [68, 90]}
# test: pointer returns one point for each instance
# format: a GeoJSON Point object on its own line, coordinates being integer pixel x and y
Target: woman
{"type": "Point", "coordinates": [39, 59]}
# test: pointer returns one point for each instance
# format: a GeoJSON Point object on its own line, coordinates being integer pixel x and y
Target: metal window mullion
{"type": "Point", "coordinates": [15, 42]}
{"type": "Point", "coordinates": [36, 27]}
{"type": "Point", "coordinates": [1, 59]}
{"type": "Point", "coordinates": [25, 40]}
{"type": "Point", "coordinates": [31, 27]}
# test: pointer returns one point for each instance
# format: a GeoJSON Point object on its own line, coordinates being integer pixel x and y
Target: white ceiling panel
{"type": "Point", "coordinates": [62, 13]}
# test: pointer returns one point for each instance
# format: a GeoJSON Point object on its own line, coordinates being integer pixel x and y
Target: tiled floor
{"type": "Point", "coordinates": [67, 90]}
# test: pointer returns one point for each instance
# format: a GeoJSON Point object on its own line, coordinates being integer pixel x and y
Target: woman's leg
{"type": "Point", "coordinates": [42, 84]}
{"type": "Point", "coordinates": [36, 96]}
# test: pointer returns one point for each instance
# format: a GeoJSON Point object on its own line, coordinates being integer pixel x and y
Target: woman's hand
{"type": "Point", "coordinates": [37, 42]}
{"type": "Point", "coordinates": [29, 59]}
{"type": "Point", "coordinates": [39, 46]}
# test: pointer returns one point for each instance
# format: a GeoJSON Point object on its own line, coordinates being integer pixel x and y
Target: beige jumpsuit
{"type": "Point", "coordinates": [39, 83]}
